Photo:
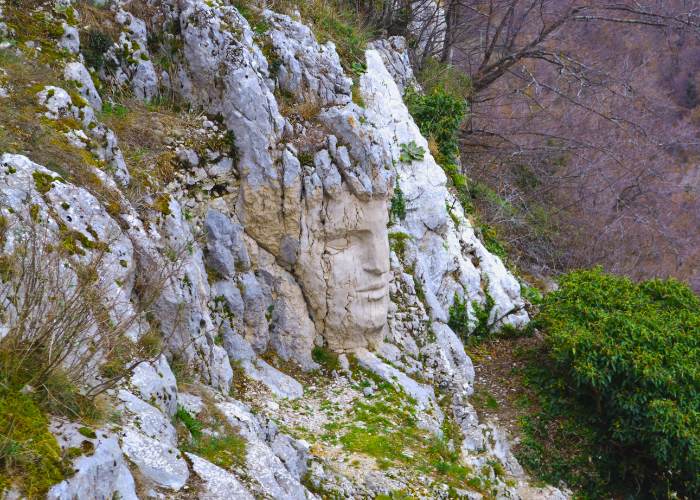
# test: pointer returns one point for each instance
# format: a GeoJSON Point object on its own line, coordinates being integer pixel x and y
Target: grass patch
{"type": "Point", "coordinates": [385, 427]}
{"type": "Point", "coordinates": [30, 457]}
{"type": "Point", "coordinates": [225, 451]}
{"type": "Point", "coordinates": [326, 358]}
{"type": "Point", "coordinates": [224, 448]}
{"type": "Point", "coordinates": [336, 21]}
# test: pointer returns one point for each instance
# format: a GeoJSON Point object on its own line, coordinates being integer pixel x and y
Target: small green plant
{"type": "Point", "coordinates": [114, 109]}
{"type": "Point", "coordinates": [439, 116]}
{"type": "Point", "coordinates": [193, 425]}
{"type": "Point", "coordinates": [359, 68]}
{"type": "Point", "coordinates": [397, 209]}
{"type": "Point", "coordinates": [492, 242]}
{"type": "Point", "coordinates": [411, 152]}
{"type": "Point", "coordinates": [397, 243]}
{"type": "Point", "coordinates": [87, 432]}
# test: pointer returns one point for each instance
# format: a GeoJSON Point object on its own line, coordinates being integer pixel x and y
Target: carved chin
{"type": "Point", "coordinates": [369, 314]}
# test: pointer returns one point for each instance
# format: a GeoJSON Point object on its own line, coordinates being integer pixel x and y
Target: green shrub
{"type": "Point", "coordinates": [631, 351]}
{"type": "Point", "coordinates": [94, 45]}
{"type": "Point", "coordinates": [439, 116]}
{"type": "Point", "coordinates": [459, 319]}
{"type": "Point", "coordinates": [436, 76]}
{"type": "Point", "coordinates": [397, 243]}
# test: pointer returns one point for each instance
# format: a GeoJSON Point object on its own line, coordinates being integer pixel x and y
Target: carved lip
{"type": "Point", "coordinates": [375, 291]}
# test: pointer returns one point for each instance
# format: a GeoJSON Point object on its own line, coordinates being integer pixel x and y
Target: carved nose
{"type": "Point", "coordinates": [375, 258]}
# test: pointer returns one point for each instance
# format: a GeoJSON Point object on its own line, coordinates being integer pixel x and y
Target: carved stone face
{"type": "Point", "coordinates": [345, 275]}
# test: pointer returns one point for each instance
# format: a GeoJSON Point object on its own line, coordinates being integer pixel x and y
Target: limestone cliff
{"type": "Point", "coordinates": [264, 244]}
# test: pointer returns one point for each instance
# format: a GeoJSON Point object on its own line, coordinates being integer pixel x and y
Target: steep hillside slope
{"type": "Point", "coordinates": [199, 289]}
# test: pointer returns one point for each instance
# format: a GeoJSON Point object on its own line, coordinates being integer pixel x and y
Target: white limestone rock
{"type": "Point", "coordinates": [226, 73]}
{"type": "Point", "coordinates": [292, 332]}
{"type": "Point", "coordinates": [301, 58]}
{"type": "Point", "coordinates": [158, 462]}
{"type": "Point", "coordinates": [70, 39]}
{"type": "Point", "coordinates": [272, 477]}
{"type": "Point", "coordinates": [441, 254]}
{"type": "Point", "coordinates": [394, 53]}
{"type": "Point", "coordinates": [57, 102]}
{"type": "Point", "coordinates": [150, 442]}
{"type": "Point", "coordinates": [101, 475]}
{"type": "Point", "coordinates": [76, 72]}
{"type": "Point", "coordinates": [217, 483]}
{"type": "Point", "coordinates": [191, 403]}
{"type": "Point", "coordinates": [137, 69]}
{"type": "Point", "coordinates": [281, 384]}
{"type": "Point", "coordinates": [155, 382]}
{"type": "Point", "coordinates": [182, 308]}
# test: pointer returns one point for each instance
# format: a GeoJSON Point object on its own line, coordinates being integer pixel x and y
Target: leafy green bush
{"type": "Point", "coordinates": [438, 115]}
{"type": "Point", "coordinates": [631, 351]}
{"type": "Point", "coordinates": [459, 319]}
{"type": "Point", "coordinates": [438, 76]}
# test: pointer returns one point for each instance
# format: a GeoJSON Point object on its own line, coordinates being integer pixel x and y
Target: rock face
{"type": "Point", "coordinates": [267, 245]}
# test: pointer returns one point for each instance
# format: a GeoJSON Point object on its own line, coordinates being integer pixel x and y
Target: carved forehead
{"type": "Point", "coordinates": [347, 212]}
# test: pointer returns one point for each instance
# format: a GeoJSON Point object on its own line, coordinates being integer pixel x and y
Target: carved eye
{"type": "Point", "coordinates": [336, 245]}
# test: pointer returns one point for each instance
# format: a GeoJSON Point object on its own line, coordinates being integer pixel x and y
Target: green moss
{"type": "Point", "coordinates": [75, 243]}
{"type": "Point", "coordinates": [162, 204]}
{"type": "Point", "coordinates": [87, 432]}
{"type": "Point", "coordinates": [43, 181]}
{"type": "Point", "coordinates": [225, 451]}
{"type": "Point", "coordinates": [386, 428]}
{"type": "Point", "coordinates": [29, 454]}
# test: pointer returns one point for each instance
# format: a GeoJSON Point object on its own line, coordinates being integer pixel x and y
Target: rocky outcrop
{"type": "Point", "coordinates": [264, 255]}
